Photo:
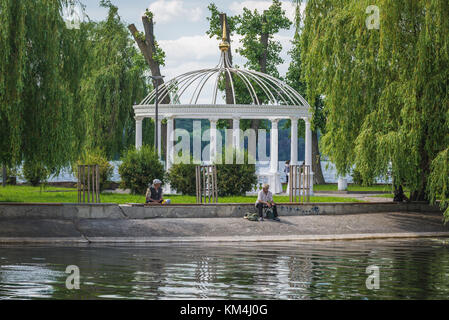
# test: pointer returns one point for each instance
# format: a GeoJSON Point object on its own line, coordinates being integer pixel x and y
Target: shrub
{"type": "Point", "coordinates": [35, 173]}
{"type": "Point", "coordinates": [11, 175]}
{"type": "Point", "coordinates": [358, 179]}
{"type": "Point", "coordinates": [182, 178]}
{"type": "Point", "coordinates": [139, 168]}
{"type": "Point", "coordinates": [96, 156]}
{"type": "Point", "coordinates": [236, 179]}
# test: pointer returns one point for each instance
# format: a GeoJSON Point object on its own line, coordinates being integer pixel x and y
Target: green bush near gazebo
{"type": "Point", "coordinates": [139, 168]}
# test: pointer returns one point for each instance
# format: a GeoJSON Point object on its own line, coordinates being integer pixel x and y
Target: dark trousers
{"type": "Point", "coordinates": [261, 206]}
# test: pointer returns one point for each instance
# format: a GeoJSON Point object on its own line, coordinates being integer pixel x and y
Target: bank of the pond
{"type": "Point", "coordinates": [52, 223]}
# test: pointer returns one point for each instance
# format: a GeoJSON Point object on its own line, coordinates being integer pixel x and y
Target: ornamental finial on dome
{"type": "Point", "coordinates": [224, 45]}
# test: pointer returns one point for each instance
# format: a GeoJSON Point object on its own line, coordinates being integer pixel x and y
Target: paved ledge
{"type": "Point", "coordinates": [72, 211]}
{"type": "Point", "coordinates": [335, 237]}
{"type": "Point", "coordinates": [129, 240]}
{"type": "Point", "coordinates": [290, 228]}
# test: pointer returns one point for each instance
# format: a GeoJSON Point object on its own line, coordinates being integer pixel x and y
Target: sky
{"type": "Point", "coordinates": [181, 25]}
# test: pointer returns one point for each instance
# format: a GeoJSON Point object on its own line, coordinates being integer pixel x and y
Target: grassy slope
{"type": "Point", "coordinates": [66, 195]}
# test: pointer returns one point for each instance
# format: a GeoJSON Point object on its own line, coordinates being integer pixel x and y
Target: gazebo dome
{"type": "Point", "coordinates": [192, 86]}
{"type": "Point", "coordinates": [202, 87]}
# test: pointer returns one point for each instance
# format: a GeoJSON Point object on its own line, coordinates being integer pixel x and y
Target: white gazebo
{"type": "Point", "coordinates": [271, 99]}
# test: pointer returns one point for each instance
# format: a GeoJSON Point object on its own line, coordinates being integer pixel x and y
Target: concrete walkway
{"type": "Point", "coordinates": [292, 228]}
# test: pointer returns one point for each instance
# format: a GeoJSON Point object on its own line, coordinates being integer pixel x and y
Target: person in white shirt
{"type": "Point", "coordinates": [265, 200]}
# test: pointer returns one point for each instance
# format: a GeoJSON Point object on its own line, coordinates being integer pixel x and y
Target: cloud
{"type": "Point", "coordinates": [171, 10]}
{"type": "Point", "coordinates": [237, 7]}
{"type": "Point", "coordinates": [191, 53]}
{"type": "Point", "coordinates": [198, 47]}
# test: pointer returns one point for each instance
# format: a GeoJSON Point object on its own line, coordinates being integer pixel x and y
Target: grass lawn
{"type": "Point", "coordinates": [67, 195]}
{"type": "Point", "coordinates": [352, 187]}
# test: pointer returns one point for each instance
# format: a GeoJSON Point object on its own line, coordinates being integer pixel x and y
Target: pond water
{"type": "Point", "coordinates": [416, 269]}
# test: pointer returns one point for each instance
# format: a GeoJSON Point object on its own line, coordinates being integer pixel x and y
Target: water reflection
{"type": "Point", "coordinates": [330, 270]}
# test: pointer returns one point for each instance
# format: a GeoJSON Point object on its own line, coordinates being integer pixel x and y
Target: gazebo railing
{"type": "Point", "coordinates": [300, 184]}
{"type": "Point", "coordinates": [88, 183]}
{"type": "Point", "coordinates": [206, 184]}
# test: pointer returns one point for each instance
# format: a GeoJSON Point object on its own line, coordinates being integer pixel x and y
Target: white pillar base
{"type": "Point", "coordinates": [168, 190]}
{"type": "Point", "coordinates": [274, 179]}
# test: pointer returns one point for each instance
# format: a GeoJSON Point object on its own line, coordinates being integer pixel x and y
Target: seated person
{"type": "Point", "coordinates": [154, 194]}
{"type": "Point", "coordinates": [399, 195]}
{"type": "Point", "coordinates": [265, 200]}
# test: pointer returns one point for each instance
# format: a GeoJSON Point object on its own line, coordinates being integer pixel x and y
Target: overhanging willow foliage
{"type": "Point", "coordinates": [36, 101]}
{"type": "Point", "coordinates": [386, 90]}
{"type": "Point", "coordinates": [64, 90]}
{"type": "Point", "coordinates": [113, 83]}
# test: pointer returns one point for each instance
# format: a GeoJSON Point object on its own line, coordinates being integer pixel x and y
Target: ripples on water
{"type": "Point", "coordinates": [325, 270]}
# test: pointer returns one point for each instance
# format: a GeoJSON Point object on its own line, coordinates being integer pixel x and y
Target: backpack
{"type": "Point", "coordinates": [269, 213]}
{"type": "Point", "coordinates": [251, 216]}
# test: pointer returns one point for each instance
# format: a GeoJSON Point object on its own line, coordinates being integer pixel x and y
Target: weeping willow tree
{"type": "Point", "coordinates": [113, 82]}
{"type": "Point", "coordinates": [386, 89]}
{"type": "Point", "coordinates": [38, 55]}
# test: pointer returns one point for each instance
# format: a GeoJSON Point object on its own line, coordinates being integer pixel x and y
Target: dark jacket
{"type": "Point", "coordinates": [153, 194]}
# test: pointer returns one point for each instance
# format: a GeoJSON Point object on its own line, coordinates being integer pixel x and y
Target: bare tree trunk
{"type": "Point", "coordinates": [228, 89]}
{"type": "Point", "coordinates": [148, 48]}
{"type": "Point", "coordinates": [318, 177]}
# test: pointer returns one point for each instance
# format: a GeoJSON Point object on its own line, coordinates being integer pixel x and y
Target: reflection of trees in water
{"type": "Point", "coordinates": [205, 275]}
{"type": "Point", "coordinates": [299, 276]}
{"type": "Point", "coordinates": [149, 276]}
{"type": "Point", "coordinates": [420, 273]}
{"type": "Point", "coordinates": [333, 271]}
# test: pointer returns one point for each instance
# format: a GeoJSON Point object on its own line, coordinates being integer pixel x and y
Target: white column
{"type": "Point", "coordinates": [274, 135]}
{"type": "Point", "coordinates": [159, 140]}
{"type": "Point", "coordinates": [308, 155]}
{"type": "Point", "coordinates": [294, 141]}
{"type": "Point", "coordinates": [213, 139]}
{"type": "Point", "coordinates": [236, 133]}
{"type": "Point", "coordinates": [275, 179]}
{"type": "Point", "coordinates": [170, 148]}
{"type": "Point", "coordinates": [170, 138]}
{"type": "Point", "coordinates": [138, 132]}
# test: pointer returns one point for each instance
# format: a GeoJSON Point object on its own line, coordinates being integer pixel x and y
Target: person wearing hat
{"type": "Point", "coordinates": [265, 200]}
{"type": "Point", "coordinates": [154, 193]}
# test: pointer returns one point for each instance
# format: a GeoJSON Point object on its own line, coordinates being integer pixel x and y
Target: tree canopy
{"type": "Point", "coordinates": [39, 71]}
{"type": "Point", "coordinates": [64, 89]}
{"type": "Point", "coordinates": [113, 82]}
{"type": "Point", "coordinates": [386, 90]}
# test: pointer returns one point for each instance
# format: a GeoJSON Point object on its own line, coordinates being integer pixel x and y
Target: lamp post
{"type": "Point", "coordinates": [156, 111]}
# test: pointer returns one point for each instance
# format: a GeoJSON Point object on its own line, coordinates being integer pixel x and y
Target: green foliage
{"type": "Point", "coordinates": [252, 25]}
{"type": "Point", "coordinates": [96, 156]}
{"type": "Point", "coordinates": [215, 26]}
{"type": "Point", "coordinates": [358, 179]}
{"type": "Point", "coordinates": [236, 179]}
{"type": "Point", "coordinates": [11, 175]}
{"type": "Point", "coordinates": [139, 168]}
{"type": "Point", "coordinates": [37, 101]}
{"type": "Point", "coordinates": [295, 79]}
{"type": "Point", "coordinates": [386, 91]}
{"type": "Point", "coordinates": [113, 81]}
{"type": "Point", "coordinates": [35, 173]}
{"type": "Point", "coordinates": [182, 178]}
{"type": "Point", "coordinates": [439, 181]}
{"type": "Point", "coordinates": [159, 54]}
